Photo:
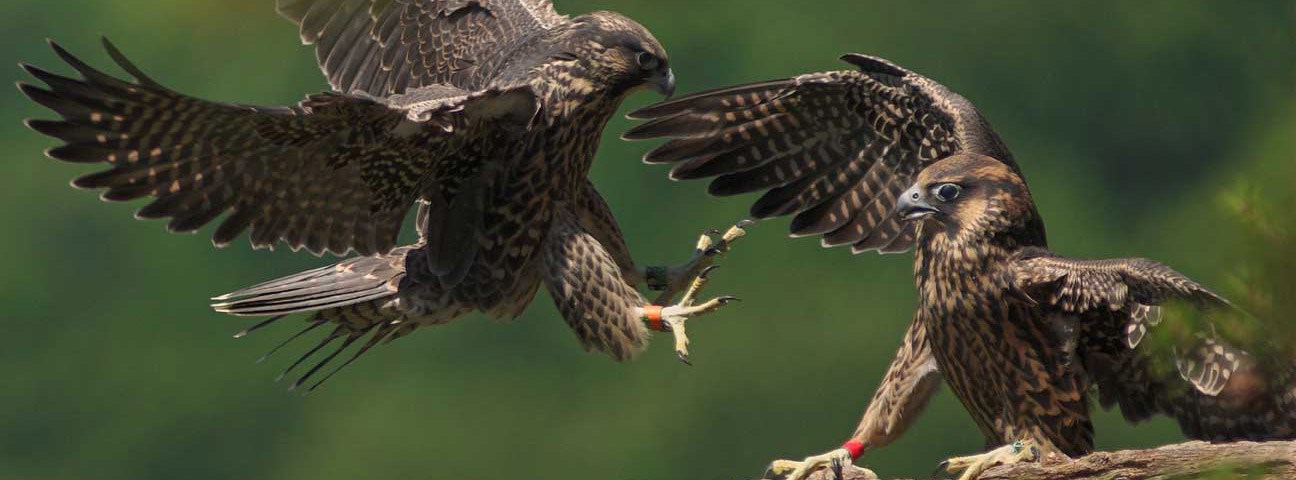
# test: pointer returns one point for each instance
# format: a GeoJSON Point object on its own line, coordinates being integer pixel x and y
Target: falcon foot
{"type": "Point", "coordinates": [710, 246]}
{"type": "Point", "coordinates": [833, 461]}
{"type": "Point", "coordinates": [973, 465]}
{"type": "Point", "coordinates": [672, 318]}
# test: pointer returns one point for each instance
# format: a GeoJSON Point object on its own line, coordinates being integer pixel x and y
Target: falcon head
{"type": "Point", "coordinates": [969, 194]}
{"type": "Point", "coordinates": [617, 52]}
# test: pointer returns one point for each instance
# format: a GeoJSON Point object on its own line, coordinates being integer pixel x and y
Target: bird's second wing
{"type": "Point", "coordinates": [1215, 390]}
{"type": "Point", "coordinates": [334, 173]}
{"type": "Point", "coordinates": [386, 47]}
{"type": "Point", "coordinates": [835, 148]}
{"type": "Point", "coordinates": [1131, 292]}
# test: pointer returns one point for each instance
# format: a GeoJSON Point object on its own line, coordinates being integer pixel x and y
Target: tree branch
{"type": "Point", "coordinates": [1185, 461]}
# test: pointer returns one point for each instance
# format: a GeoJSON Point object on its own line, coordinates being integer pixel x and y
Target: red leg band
{"type": "Point", "coordinates": [855, 447]}
{"type": "Point", "coordinates": [652, 316]}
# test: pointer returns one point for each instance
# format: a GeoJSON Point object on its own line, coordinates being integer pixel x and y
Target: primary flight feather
{"type": "Point", "coordinates": [485, 113]}
{"type": "Point", "coordinates": [882, 158]}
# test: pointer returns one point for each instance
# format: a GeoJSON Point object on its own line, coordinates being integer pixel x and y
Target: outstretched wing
{"type": "Point", "coordinates": [335, 173]}
{"type": "Point", "coordinates": [385, 47]}
{"type": "Point", "coordinates": [835, 148]}
{"type": "Point", "coordinates": [1118, 300]}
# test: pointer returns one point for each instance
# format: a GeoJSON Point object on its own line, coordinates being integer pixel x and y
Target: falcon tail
{"type": "Point", "coordinates": [359, 296]}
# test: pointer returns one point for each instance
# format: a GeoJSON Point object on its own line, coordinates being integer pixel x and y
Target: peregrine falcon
{"type": "Point", "coordinates": [884, 159]}
{"type": "Point", "coordinates": [485, 113]}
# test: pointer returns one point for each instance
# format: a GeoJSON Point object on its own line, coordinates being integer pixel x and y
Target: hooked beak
{"type": "Point", "coordinates": [663, 82]}
{"type": "Point", "coordinates": [913, 204]}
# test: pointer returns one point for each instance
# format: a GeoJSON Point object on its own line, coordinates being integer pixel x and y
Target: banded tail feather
{"type": "Point", "coordinates": [359, 296]}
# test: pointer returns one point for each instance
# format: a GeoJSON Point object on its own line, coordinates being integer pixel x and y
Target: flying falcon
{"type": "Point", "coordinates": [884, 159]}
{"type": "Point", "coordinates": [486, 113]}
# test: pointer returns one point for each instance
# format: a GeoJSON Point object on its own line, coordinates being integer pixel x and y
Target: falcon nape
{"type": "Point", "coordinates": [486, 113]}
{"type": "Point", "coordinates": [885, 159]}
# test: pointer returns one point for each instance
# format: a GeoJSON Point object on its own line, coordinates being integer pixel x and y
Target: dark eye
{"type": "Point", "coordinates": [947, 192]}
{"type": "Point", "coordinates": [648, 61]}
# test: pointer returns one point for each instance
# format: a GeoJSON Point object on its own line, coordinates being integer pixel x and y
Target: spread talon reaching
{"type": "Point", "coordinates": [672, 318]}
{"type": "Point", "coordinates": [711, 245]}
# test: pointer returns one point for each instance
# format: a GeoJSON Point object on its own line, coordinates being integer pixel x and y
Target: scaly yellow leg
{"type": "Point", "coordinates": [973, 465]}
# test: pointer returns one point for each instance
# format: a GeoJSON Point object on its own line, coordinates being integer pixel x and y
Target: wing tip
{"type": "Point", "coordinates": [642, 113]}
{"type": "Point", "coordinates": [872, 64]}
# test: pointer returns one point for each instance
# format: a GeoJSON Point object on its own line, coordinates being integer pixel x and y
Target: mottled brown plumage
{"type": "Point", "coordinates": [486, 113]}
{"type": "Point", "coordinates": [1021, 335]}
{"type": "Point", "coordinates": [834, 149]}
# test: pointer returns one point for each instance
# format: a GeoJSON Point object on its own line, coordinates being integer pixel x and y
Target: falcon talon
{"type": "Point", "coordinates": [683, 357]}
{"type": "Point", "coordinates": [949, 189]}
{"type": "Point", "coordinates": [443, 129]}
{"type": "Point", "coordinates": [973, 465]}
{"type": "Point", "coordinates": [834, 461]}
{"type": "Point", "coordinates": [779, 469]}
{"type": "Point", "coordinates": [943, 465]}
{"type": "Point", "coordinates": [706, 252]}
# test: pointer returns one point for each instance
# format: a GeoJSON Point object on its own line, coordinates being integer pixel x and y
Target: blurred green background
{"type": "Point", "coordinates": [1129, 119]}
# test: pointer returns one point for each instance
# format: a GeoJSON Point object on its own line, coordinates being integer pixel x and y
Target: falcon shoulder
{"type": "Point", "coordinates": [834, 149]}
{"type": "Point", "coordinates": [386, 47]}
{"type": "Point", "coordinates": [1117, 301]}
{"type": "Point", "coordinates": [333, 173]}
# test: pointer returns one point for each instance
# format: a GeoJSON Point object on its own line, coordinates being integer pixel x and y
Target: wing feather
{"type": "Point", "coordinates": [832, 148]}
{"type": "Point", "coordinates": [386, 47]}
{"type": "Point", "coordinates": [334, 173]}
{"type": "Point", "coordinates": [1131, 289]}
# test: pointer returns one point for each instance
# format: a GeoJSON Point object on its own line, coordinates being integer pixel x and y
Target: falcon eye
{"type": "Point", "coordinates": [648, 61]}
{"type": "Point", "coordinates": [947, 192]}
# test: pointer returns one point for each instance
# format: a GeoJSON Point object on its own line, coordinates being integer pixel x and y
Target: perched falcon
{"type": "Point", "coordinates": [884, 159]}
{"type": "Point", "coordinates": [486, 113]}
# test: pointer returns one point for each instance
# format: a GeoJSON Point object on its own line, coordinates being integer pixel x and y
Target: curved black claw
{"type": "Point", "coordinates": [942, 466]}
{"type": "Point", "coordinates": [683, 357]}
{"type": "Point", "coordinates": [728, 298]}
{"type": "Point", "coordinates": [746, 222]}
{"type": "Point", "coordinates": [707, 271]}
{"type": "Point", "coordinates": [837, 469]}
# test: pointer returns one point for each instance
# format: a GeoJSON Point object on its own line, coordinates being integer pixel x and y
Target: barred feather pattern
{"type": "Point", "coordinates": [332, 174]}
{"type": "Point", "coordinates": [1215, 392]}
{"type": "Point", "coordinates": [596, 218]}
{"type": "Point", "coordinates": [834, 149]}
{"type": "Point", "coordinates": [385, 47]}
{"type": "Point", "coordinates": [1023, 336]}
{"type": "Point", "coordinates": [381, 297]}
{"type": "Point", "coordinates": [491, 170]}
{"type": "Point", "coordinates": [552, 169]}
{"type": "Point", "coordinates": [389, 296]}
{"type": "Point", "coordinates": [909, 383]}
{"type": "Point", "coordinates": [586, 283]}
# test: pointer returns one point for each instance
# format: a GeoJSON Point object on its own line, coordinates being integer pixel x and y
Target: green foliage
{"type": "Point", "coordinates": [1265, 284]}
{"type": "Point", "coordinates": [1124, 116]}
{"type": "Point", "coordinates": [1261, 284]}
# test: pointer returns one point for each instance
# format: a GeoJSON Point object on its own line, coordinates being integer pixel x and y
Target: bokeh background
{"type": "Point", "coordinates": [1130, 119]}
